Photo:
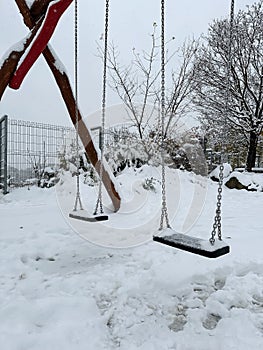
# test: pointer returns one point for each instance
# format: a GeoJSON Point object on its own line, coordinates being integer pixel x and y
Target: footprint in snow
{"type": "Point", "coordinates": [211, 321]}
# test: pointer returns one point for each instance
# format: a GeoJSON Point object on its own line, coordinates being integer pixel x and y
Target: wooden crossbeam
{"type": "Point", "coordinates": [40, 41]}
{"type": "Point", "coordinates": [39, 8]}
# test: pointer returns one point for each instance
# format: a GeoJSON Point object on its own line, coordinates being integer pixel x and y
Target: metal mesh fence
{"type": "Point", "coordinates": [3, 153]}
{"type": "Point", "coordinates": [33, 146]}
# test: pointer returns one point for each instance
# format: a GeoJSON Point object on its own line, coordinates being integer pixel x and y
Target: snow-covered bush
{"type": "Point", "coordinates": [68, 162]}
{"type": "Point", "coordinates": [68, 159]}
{"type": "Point", "coordinates": [49, 178]}
{"type": "Point", "coordinates": [245, 181]}
{"type": "Point", "coordinates": [149, 184]}
{"type": "Point", "coordinates": [91, 177]}
{"type": "Point", "coordinates": [181, 151]}
{"type": "Point", "coordinates": [185, 152]}
{"type": "Point", "coordinates": [126, 149]}
{"type": "Point", "coordinates": [214, 175]}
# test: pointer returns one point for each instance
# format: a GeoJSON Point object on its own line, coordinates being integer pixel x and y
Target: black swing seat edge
{"type": "Point", "coordinates": [89, 218]}
{"type": "Point", "coordinates": [193, 244]}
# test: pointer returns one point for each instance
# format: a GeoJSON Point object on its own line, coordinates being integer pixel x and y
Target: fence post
{"type": "Point", "coordinates": [3, 152]}
{"type": "Point", "coordinates": [100, 134]}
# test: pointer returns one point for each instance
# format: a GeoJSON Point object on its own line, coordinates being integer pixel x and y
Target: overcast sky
{"type": "Point", "coordinates": [39, 99]}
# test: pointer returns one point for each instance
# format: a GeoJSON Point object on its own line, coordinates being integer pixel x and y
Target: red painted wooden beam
{"type": "Point", "coordinates": [54, 12]}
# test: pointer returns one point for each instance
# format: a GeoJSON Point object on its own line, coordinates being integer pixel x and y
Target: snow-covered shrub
{"type": "Point", "coordinates": [177, 155]}
{"type": "Point", "coordinates": [150, 184]}
{"type": "Point", "coordinates": [125, 150]}
{"type": "Point", "coordinates": [68, 157]}
{"type": "Point", "coordinates": [68, 162]}
{"type": "Point", "coordinates": [245, 180]}
{"type": "Point", "coordinates": [49, 178]}
{"type": "Point", "coordinates": [181, 151]}
{"type": "Point", "coordinates": [185, 152]}
{"type": "Point", "coordinates": [214, 175]}
{"type": "Point", "coordinates": [91, 177]}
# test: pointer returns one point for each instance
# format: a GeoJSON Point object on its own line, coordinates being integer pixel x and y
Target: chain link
{"type": "Point", "coordinates": [164, 212]}
{"type": "Point", "coordinates": [217, 220]}
{"type": "Point", "coordinates": [217, 226]}
{"type": "Point", "coordinates": [78, 198]}
{"type": "Point", "coordinates": [103, 108]}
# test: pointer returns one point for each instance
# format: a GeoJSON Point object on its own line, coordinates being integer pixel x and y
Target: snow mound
{"type": "Point", "coordinates": [215, 173]}
{"type": "Point", "coordinates": [245, 180]}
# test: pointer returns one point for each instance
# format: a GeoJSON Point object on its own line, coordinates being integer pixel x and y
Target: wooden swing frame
{"type": "Point", "coordinates": [33, 18]}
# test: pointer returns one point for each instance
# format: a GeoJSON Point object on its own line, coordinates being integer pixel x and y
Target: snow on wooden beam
{"type": "Point", "coordinates": [12, 57]}
{"type": "Point", "coordinates": [55, 11]}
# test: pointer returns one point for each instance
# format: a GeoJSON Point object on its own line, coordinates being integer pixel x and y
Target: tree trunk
{"type": "Point", "coordinates": [252, 151]}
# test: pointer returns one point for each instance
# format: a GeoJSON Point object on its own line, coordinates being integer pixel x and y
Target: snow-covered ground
{"type": "Point", "coordinates": [59, 291]}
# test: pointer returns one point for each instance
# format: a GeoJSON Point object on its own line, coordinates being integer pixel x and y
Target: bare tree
{"type": "Point", "coordinates": [138, 85]}
{"type": "Point", "coordinates": [179, 97]}
{"type": "Point", "coordinates": [245, 107]}
{"type": "Point", "coordinates": [38, 164]}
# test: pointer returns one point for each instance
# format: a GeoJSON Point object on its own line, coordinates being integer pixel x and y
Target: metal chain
{"type": "Point", "coordinates": [164, 212]}
{"type": "Point", "coordinates": [78, 198]}
{"type": "Point", "coordinates": [217, 226]}
{"type": "Point", "coordinates": [103, 113]}
{"type": "Point", "coordinates": [218, 220]}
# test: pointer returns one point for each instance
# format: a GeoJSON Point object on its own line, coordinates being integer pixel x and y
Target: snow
{"type": "Point", "coordinates": [189, 241]}
{"type": "Point", "coordinates": [30, 3]}
{"type": "Point", "coordinates": [49, 170]}
{"type": "Point", "coordinates": [61, 291]}
{"type": "Point", "coordinates": [58, 63]}
{"type": "Point", "coordinates": [18, 47]}
{"type": "Point", "coordinates": [249, 179]}
{"type": "Point", "coordinates": [226, 172]}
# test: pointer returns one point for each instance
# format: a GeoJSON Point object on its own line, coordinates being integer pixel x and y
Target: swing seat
{"type": "Point", "coordinates": [192, 244]}
{"type": "Point", "coordinates": [85, 216]}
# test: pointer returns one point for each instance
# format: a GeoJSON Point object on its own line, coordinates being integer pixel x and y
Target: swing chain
{"type": "Point", "coordinates": [103, 108]}
{"type": "Point", "coordinates": [217, 220]}
{"type": "Point", "coordinates": [78, 198]}
{"type": "Point", "coordinates": [164, 213]}
{"type": "Point", "coordinates": [217, 226]}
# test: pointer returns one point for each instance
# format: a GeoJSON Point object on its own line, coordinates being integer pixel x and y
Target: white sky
{"type": "Point", "coordinates": [39, 99]}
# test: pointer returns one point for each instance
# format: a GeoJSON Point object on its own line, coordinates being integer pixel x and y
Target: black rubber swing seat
{"type": "Point", "coordinates": [192, 244]}
{"type": "Point", "coordinates": [83, 215]}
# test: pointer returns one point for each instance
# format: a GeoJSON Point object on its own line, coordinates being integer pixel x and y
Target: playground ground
{"type": "Point", "coordinates": [59, 291]}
